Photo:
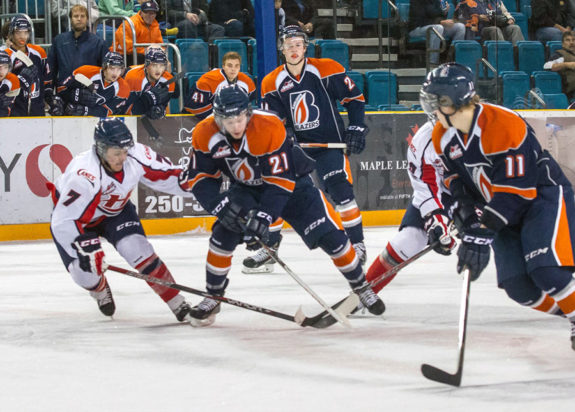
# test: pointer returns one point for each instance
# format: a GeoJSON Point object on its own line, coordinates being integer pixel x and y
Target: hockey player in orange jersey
{"type": "Point", "coordinates": [199, 101]}
{"type": "Point", "coordinates": [9, 85]}
{"type": "Point", "coordinates": [149, 94]}
{"type": "Point", "coordinates": [269, 178]}
{"type": "Point", "coordinates": [495, 163]}
{"type": "Point", "coordinates": [304, 92]}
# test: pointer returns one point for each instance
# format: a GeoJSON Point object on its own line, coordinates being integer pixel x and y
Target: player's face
{"type": "Point", "coordinates": [149, 17]}
{"type": "Point", "coordinates": [155, 70]}
{"type": "Point", "coordinates": [20, 37]}
{"type": "Point", "coordinates": [294, 50]}
{"type": "Point", "coordinates": [4, 69]}
{"type": "Point", "coordinates": [236, 126]}
{"type": "Point", "coordinates": [231, 69]}
{"type": "Point", "coordinates": [112, 73]}
{"type": "Point", "coordinates": [79, 21]}
{"type": "Point", "coordinates": [115, 157]}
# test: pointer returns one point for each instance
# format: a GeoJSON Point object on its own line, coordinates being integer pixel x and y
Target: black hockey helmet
{"type": "Point", "coordinates": [113, 59]}
{"type": "Point", "coordinates": [5, 59]}
{"type": "Point", "coordinates": [289, 32]}
{"type": "Point", "coordinates": [112, 132]}
{"type": "Point", "coordinates": [450, 84]}
{"type": "Point", "coordinates": [155, 55]}
{"type": "Point", "coordinates": [230, 101]}
{"type": "Point", "coordinates": [19, 22]}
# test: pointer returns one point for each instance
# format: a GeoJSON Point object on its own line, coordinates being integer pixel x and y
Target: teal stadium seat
{"type": "Point", "coordinates": [468, 52]}
{"type": "Point", "coordinates": [556, 101]}
{"type": "Point", "coordinates": [500, 55]}
{"type": "Point", "coordinates": [530, 56]}
{"type": "Point", "coordinates": [195, 55]}
{"type": "Point", "coordinates": [336, 50]}
{"type": "Point", "coordinates": [547, 82]}
{"type": "Point", "coordinates": [552, 47]}
{"type": "Point", "coordinates": [515, 88]}
{"type": "Point", "coordinates": [381, 88]}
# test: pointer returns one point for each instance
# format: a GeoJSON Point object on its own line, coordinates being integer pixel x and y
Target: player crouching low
{"type": "Point", "coordinates": [92, 199]}
{"type": "Point", "coordinates": [269, 179]}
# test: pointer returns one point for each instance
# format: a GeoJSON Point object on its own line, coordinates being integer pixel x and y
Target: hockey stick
{"type": "Point", "coordinates": [323, 145]}
{"type": "Point", "coordinates": [341, 318]}
{"type": "Point", "coordinates": [20, 55]}
{"type": "Point", "coordinates": [317, 321]}
{"type": "Point", "coordinates": [439, 375]}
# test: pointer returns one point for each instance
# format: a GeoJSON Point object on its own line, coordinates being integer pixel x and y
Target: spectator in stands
{"type": "Point", "coordinates": [29, 63]}
{"type": "Point", "coordinates": [563, 62]}
{"type": "Point", "coordinates": [488, 20]}
{"type": "Point", "coordinates": [62, 8]}
{"type": "Point", "coordinates": [235, 16]}
{"type": "Point", "coordinates": [149, 91]}
{"type": "Point", "coordinates": [550, 19]}
{"type": "Point", "coordinates": [199, 100]}
{"type": "Point", "coordinates": [280, 16]}
{"type": "Point", "coordinates": [190, 17]}
{"type": "Point", "coordinates": [95, 91]}
{"type": "Point", "coordinates": [426, 15]}
{"type": "Point", "coordinates": [9, 85]}
{"type": "Point", "coordinates": [5, 40]}
{"type": "Point", "coordinates": [302, 13]}
{"type": "Point", "coordinates": [147, 31]}
{"type": "Point", "coordinates": [71, 50]}
{"type": "Point", "coordinates": [116, 8]}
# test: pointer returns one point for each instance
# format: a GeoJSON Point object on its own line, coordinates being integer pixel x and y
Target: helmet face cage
{"type": "Point", "coordinates": [230, 102]}
{"type": "Point", "coordinates": [291, 31]}
{"type": "Point", "coordinates": [19, 22]}
{"type": "Point", "coordinates": [112, 132]}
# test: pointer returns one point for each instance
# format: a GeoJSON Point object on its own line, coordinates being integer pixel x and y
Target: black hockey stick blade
{"type": "Point", "coordinates": [323, 320]}
{"type": "Point", "coordinates": [439, 375]}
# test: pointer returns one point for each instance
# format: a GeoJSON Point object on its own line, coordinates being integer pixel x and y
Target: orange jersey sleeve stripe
{"type": "Point", "coordinates": [268, 125]}
{"type": "Point", "coordinates": [201, 176]}
{"type": "Point", "coordinates": [524, 193]}
{"type": "Point", "coordinates": [202, 134]}
{"type": "Point", "coordinates": [13, 81]}
{"type": "Point", "coordinates": [326, 67]}
{"type": "Point", "coordinates": [286, 184]}
{"type": "Point", "coordinates": [88, 71]}
{"type": "Point", "coordinates": [210, 81]}
{"type": "Point", "coordinates": [361, 98]}
{"type": "Point", "coordinates": [269, 82]}
{"type": "Point", "coordinates": [502, 129]}
{"type": "Point", "coordinates": [198, 111]}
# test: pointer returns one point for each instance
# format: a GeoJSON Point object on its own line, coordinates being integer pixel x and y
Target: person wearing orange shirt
{"type": "Point", "coordinates": [147, 30]}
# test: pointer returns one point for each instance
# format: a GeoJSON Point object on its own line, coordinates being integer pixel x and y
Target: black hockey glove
{"type": "Point", "coordinates": [355, 138]}
{"type": "Point", "coordinates": [156, 112]}
{"type": "Point", "coordinates": [56, 106]}
{"type": "Point", "coordinates": [230, 215]}
{"type": "Point", "coordinates": [6, 101]}
{"type": "Point", "coordinates": [474, 251]}
{"type": "Point", "coordinates": [28, 75]}
{"type": "Point", "coordinates": [437, 227]}
{"type": "Point", "coordinates": [257, 228]}
{"type": "Point", "coordinates": [86, 98]}
{"type": "Point", "coordinates": [90, 253]}
{"type": "Point", "coordinates": [76, 110]}
{"type": "Point", "coordinates": [156, 96]}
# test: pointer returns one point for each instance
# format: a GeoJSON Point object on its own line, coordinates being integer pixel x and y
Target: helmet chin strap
{"type": "Point", "coordinates": [447, 116]}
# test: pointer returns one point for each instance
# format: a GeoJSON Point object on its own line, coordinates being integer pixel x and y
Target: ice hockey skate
{"type": "Point", "coordinates": [261, 261]}
{"type": "Point", "coordinates": [204, 313]}
{"type": "Point", "coordinates": [180, 308]}
{"type": "Point", "coordinates": [105, 300]}
{"type": "Point", "coordinates": [361, 252]}
{"type": "Point", "coordinates": [369, 300]}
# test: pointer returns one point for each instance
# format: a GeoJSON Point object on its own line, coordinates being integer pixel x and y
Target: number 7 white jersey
{"type": "Point", "coordinates": [87, 193]}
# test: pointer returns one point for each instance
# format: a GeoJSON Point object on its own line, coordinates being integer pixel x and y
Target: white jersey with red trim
{"type": "Point", "coordinates": [87, 192]}
{"type": "Point", "coordinates": [425, 171]}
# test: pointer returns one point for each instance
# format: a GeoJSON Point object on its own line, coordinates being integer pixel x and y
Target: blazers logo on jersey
{"type": "Point", "coordinates": [455, 151]}
{"type": "Point", "coordinates": [243, 172]}
{"type": "Point", "coordinates": [304, 112]}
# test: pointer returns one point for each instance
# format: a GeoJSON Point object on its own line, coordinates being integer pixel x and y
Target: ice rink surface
{"type": "Point", "coordinates": [60, 354]}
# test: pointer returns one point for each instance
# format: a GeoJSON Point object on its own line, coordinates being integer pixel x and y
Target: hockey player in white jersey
{"type": "Point", "coordinates": [425, 220]}
{"type": "Point", "coordinates": [92, 199]}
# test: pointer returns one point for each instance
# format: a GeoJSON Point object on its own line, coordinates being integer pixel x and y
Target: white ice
{"type": "Point", "coordinates": [58, 353]}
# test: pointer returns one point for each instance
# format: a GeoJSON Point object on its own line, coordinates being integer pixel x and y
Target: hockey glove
{"type": "Point", "coordinates": [28, 75]}
{"type": "Point", "coordinates": [156, 96]}
{"type": "Point", "coordinates": [257, 228]}
{"type": "Point", "coordinates": [355, 138]}
{"type": "Point", "coordinates": [474, 251]}
{"type": "Point", "coordinates": [6, 101]}
{"type": "Point", "coordinates": [56, 106]}
{"type": "Point", "coordinates": [156, 112]}
{"type": "Point", "coordinates": [90, 253]}
{"type": "Point", "coordinates": [76, 110]}
{"type": "Point", "coordinates": [86, 98]}
{"type": "Point", "coordinates": [230, 215]}
{"type": "Point", "coordinates": [437, 227]}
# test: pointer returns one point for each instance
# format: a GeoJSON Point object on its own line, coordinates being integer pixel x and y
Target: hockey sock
{"type": "Point", "coordinates": [218, 264]}
{"type": "Point", "coordinates": [560, 281]}
{"type": "Point", "coordinates": [382, 263]}
{"type": "Point", "coordinates": [275, 231]}
{"type": "Point", "coordinates": [343, 255]}
{"type": "Point", "coordinates": [155, 268]}
{"type": "Point", "coordinates": [352, 221]}
{"type": "Point", "coordinates": [101, 285]}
